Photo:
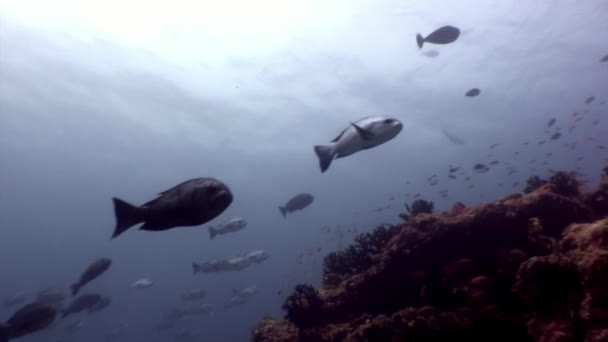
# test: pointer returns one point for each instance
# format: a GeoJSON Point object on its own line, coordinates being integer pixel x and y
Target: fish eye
{"type": "Point", "coordinates": [388, 121]}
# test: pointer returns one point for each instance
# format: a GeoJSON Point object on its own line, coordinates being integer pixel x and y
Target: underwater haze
{"type": "Point", "coordinates": [103, 99]}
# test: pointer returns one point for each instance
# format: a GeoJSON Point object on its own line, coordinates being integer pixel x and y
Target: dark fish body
{"type": "Point", "coordinates": [604, 59]}
{"type": "Point", "coordinates": [551, 122]}
{"type": "Point", "coordinates": [472, 92]}
{"type": "Point", "coordinates": [298, 202]}
{"type": "Point", "coordinates": [29, 319]}
{"type": "Point", "coordinates": [93, 271]}
{"type": "Point", "coordinates": [83, 302]}
{"type": "Point", "coordinates": [556, 136]}
{"type": "Point", "coordinates": [101, 304]}
{"type": "Point", "coordinates": [191, 203]}
{"type": "Point", "coordinates": [443, 35]}
{"type": "Point", "coordinates": [589, 99]}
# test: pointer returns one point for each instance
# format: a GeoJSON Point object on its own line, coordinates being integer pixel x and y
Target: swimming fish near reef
{"type": "Point", "coordinates": [443, 35]}
{"type": "Point", "coordinates": [362, 134]}
{"type": "Point", "coordinates": [94, 270]}
{"type": "Point", "coordinates": [230, 226]}
{"type": "Point", "coordinates": [297, 202]}
{"type": "Point", "coordinates": [29, 319]}
{"type": "Point", "coordinates": [191, 203]}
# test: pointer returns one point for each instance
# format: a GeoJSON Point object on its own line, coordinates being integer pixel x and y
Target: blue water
{"type": "Point", "coordinates": [126, 99]}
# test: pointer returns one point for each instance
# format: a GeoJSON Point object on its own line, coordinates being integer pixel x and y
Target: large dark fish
{"type": "Point", "coordinates": [29, 319]}
{"type": "Point", "coordinates": [97, 268]}
{"type": "Point", "coordinates": [191, 203]}
{"type": "Point", "coordinates": [443, 35]}
{"type": "Point", "coordinates": [298, 202]}
{"type": "Point", "coordinates": [83, 302]}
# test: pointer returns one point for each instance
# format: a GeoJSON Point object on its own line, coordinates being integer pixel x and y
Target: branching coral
{"type": "Point", "coordinates": [534, 183]}
{"type": "Point", "coordinates": [303, 306]}
{"type": "Point", "coordinates": [419, 206]}
{"type": "Point", "coordinates": [358, 256]}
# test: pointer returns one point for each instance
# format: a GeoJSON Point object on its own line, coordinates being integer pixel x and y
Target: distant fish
{"type": "Point", "coordinates": [604, 59]}
{"type": "Point", "coordinates": [456, 140]}
{"type": "Point", "coordinates": [29, 319]}
{"type": "Point", "coordinates": [97, 268]}
{"type": "Point", "coordinates": [190, 203]}
{"type": "Point", "coordinates": [431, 53]}
{"type": "Point", "coordinates": [551, 122]}
{"type": "Point", "coordinates": [443, 35]}
{"type": "Point", "coordinates": [362, 134]}
{"type": "Point", "coordinates": [142, 283]}
{"type": "Point", "coordinates": [230, 226]}
{"type": "Point", "coordinates": [556, 136]}
{"type": "Point", "coordinates": [83, 302]}
{"type": "Point", "coordinates": [297, 202]}
{"type": "Point", "coordinates": [472, 92]}
{"type": "Point", "coordinates": [589, 99]}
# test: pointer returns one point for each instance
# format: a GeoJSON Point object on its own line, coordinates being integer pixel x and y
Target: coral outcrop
{"type": "Point", "coordinates": [531, 267]}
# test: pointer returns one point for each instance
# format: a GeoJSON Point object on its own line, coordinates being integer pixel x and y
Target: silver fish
{"type": "Point", "coordinates": [361, 135]}
{"type": "Point", "coordinates": [191, 203]}
{"type": "Point", "coordinates": [230, 226]}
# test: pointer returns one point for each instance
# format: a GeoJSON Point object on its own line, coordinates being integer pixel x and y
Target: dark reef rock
{"type": "Point", "coordinates": [534, 183]}
{"type": "Point", "coordinates": [525, 268]}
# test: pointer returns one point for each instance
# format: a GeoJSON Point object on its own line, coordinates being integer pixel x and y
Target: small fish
{"type": "Point", "coordinates": [230, 226]}
{"type": "Point", "coordinates": [431, 53]}
{"type": "Point", "coordinates": [97, 268]}
{"type": "Point", "coordinates": [589, 99]}
{"type": "Point", "coordinates": [604, 59]}
{"type": "Point", "coordinates": [443, 35]}
{"type": "Point", "coordinates": [27, 320]}
{"type": "Point", "coordinates": [551, 122]}
{"type": "Point", "coordinates": [493, 145]}
{"type": "Point", "coordinates": [362, 134]}
{"type": "Point", "coordinates": [556, 136]}
{"type": "Point", "coordinates": [456, 140]}
{"type": "Point", "coordinates": [141, 283]}
{"type": "Point", "coordinates": [190, 203]}
{"type": "Point", "coordinates": [472, 92]}
{"type": "Point", "coordinates": [297, 202]}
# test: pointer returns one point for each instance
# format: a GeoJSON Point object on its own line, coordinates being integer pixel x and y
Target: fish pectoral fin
{"type": "Point", "coordinates": [363, 133]}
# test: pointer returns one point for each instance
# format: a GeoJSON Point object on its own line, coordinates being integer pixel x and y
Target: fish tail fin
{"type": "Point", "coordinates": [127, 215]}
{"type": "Point", "coordinates": [195, 268]}
{"type": "Point", "coordinates": [75, 288]}
{"type": "Point", "coordinates": [326, 155]}
{"type": "Point", "coordinates": [212, 232]}
{"type": "Point", "coordinates": [283, 211]}
{"type": "Point", "coordinates": [419, 40]}
{"type": "Point", "coordinates": [4, 332]}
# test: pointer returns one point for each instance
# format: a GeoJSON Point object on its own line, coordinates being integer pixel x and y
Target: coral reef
{"type": "Point", "coordinates": [534, 183]}
{"type": "Point", "coordinates": [357, 257]}
{"type": "Point", "coordinates": [530, 267]}
{"type": "Point", "coordinates": [418, 207]}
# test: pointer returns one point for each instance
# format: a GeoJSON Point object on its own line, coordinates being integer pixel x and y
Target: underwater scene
{"type": "Point", "coordinates": [290, 170]}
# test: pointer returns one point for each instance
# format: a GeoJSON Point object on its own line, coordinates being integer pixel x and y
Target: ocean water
{"type": "Point", "coordinates": [102, 99]}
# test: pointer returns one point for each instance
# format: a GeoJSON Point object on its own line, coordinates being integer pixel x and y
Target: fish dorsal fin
{"type": "Point", "coordinates": [363, 133]}
{"type": "Point", "coordinates": [339, 135]}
